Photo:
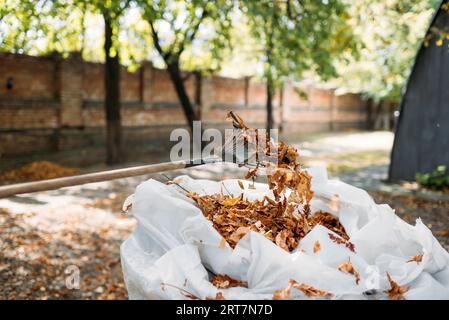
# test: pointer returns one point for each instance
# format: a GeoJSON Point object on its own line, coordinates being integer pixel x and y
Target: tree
{"type": "Point", "coordinates": [297, 37]}
{"type": "Point", "coordinates": [60, 26]}
{"type": "Point", "coordinates": [111, 12]}
{"type": "Point", "coordinates": [184, 21]}
{"type": "Point", "coordinates": [18, 23]}
{"type": "Point", "coordinates": [390, 33]}
{"type": "Point", "coordinates": [39, 27]}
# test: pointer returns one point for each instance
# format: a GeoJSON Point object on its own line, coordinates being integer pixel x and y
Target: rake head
{"type": "Point", "coordinates": [247, 147]}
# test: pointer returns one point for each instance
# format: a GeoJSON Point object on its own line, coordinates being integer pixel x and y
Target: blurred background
{"type": "Point", "coordinates": [87, 85]}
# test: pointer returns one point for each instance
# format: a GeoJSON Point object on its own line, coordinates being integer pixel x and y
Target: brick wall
{"type": "Point", "coordinates": [57, 104]}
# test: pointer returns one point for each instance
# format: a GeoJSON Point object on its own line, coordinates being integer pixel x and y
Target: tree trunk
{"type": "Point", "coordinates": [112, 99]}
{"type": "Point", "coordinates": [268, 71]}
{"type": "Point", "coordinates": [377, 115]}
{"type": "Point", "coordinates": [369, 114]}
{"type": "Point", "coordinates": [176, 77]}
{"type": "Point", "coordinates": [270, 121]}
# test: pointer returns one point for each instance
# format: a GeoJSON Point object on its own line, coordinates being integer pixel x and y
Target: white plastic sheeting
{"type": "Point", "coordinates": [174, 248]}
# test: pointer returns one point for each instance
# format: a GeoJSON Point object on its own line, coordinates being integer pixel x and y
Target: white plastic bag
{"type": "Point", "coordinates": [174, 248]}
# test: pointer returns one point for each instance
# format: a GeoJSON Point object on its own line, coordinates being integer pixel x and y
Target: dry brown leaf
{"type": "Point", "coordinates": [238, 234]}
{"type": "Point", "coordinates": [282, 294]}
{"type": "Point", "coordinates": [127, 208]}
{"type": "Point", "coordinates": [330, 221]}
{"type": "Point", "coordinates": [349, 268]}
{"type": "Point", "coordinates": [225, 282]}
{"type": "Point", "coordinates": [308, 290]}
{"type": "Point", "coordinates": [417, 259]}
{"type": "Point", "coordinates": [312, 292]}
{"type": "Point", "coordinates": [396, 292]}
{"type": "Point", "coordinates": [241, 185]}
{"type": "Point", "coordinates": [316, 246]}
{"type": "Point", "coordinates": [346, 243]}
{"type": "Point", "coordinates": [218, 296]}
{"type": "Point", "coordinates": [222, 243]}
{"type": "Point", "coordinates": [229, 202]}
{"type": "Point", "coordinates": [281, 239]}
{"type": "Point", "coordinates": [251, 174]}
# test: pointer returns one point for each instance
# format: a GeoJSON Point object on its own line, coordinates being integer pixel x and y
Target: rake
{"type": "Point", "coordinates": [229, 153]}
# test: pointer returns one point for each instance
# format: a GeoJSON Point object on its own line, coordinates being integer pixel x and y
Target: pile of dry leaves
{"type": "Point", "coordinates": [34, 171]}
{"type": "Point", "coordinates": [277, 221]}
{"type": "Point", "coordinates": [286, 219]}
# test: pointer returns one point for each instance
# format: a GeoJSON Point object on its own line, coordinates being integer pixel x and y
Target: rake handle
{"type": "Point", "coordinates": [51, 184]}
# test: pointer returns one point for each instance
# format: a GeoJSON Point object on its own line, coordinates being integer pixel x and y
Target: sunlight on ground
{"type": "Point", "coordinates": [345, 152]}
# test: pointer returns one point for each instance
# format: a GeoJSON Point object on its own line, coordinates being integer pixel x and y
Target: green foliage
{"type": "Point", "coordinates": [241, 58]}
{"type": "Point", "coordinates": [361, 46]}
{"type": "Point", "coordinates": [192, 32]}
{"type": "Point", "coordinates": [437, 179]}
{"type": "Point", "coordinates": [300, 36]}
{"type": "Point", "coordinates": [390, 33]}
{"type": "Point", "coordinates": [111, 11]}
{"type": "Point", "coordinates": [40, 27]}
{"type": "Point", "coordinates": [19, 22]}
{"type": "Point", "coordinates": [438, 34]}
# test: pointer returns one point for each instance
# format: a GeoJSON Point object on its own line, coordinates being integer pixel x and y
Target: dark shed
{"type": "Point", "coordinates": [422, 134]}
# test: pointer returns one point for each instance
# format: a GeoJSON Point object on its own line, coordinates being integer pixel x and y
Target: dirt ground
{"type": "Point", "coordinates": [47, 237]}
